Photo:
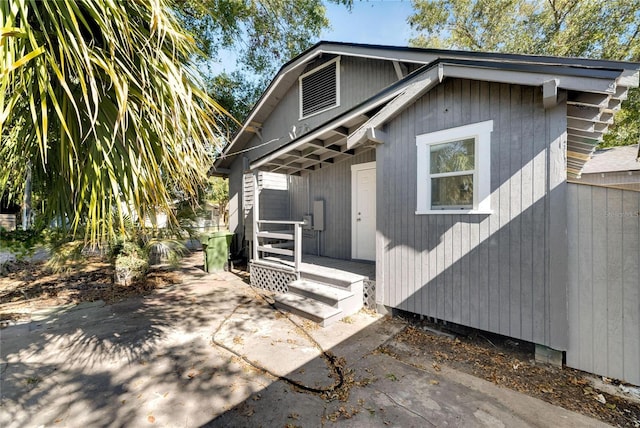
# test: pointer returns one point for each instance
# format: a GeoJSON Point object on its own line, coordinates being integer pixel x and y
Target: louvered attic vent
{"type": "Point", "coordinates": [319, 89]}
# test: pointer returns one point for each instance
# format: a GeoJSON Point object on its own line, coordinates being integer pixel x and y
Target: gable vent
{"type": "Point", "coordinates": [319, 89]}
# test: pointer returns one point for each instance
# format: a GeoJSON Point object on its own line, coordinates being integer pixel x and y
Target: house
{"type": "Point", "coordinates": [449, 173]}
{"type": "Point", "coordinates": [614, 167]}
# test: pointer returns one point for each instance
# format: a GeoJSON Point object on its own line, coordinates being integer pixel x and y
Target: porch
{"type": "Point", "coordinates": [323, 289]}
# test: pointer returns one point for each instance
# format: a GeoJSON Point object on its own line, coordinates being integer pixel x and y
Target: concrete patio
{"type": "Point", "coordinates": [212, 352]}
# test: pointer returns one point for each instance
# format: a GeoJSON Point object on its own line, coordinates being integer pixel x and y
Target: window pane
{"type": "Point", "coordinates": [453, 156]}
{"type": "Point", "coordinates": [452, 192]}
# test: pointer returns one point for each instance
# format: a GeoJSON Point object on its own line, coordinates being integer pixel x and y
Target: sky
{"type": "Point", "coordinates": [382, 22]}
{"type": "Point", "coordinates": [374, 22]}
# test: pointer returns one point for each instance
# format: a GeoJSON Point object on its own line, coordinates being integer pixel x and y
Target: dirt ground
{"type": "Point", "coordinates": [503, 361]}
{"type": "Point", "coordinates": [31, 286]}
{"type": "Point", "coordinates": [511, 364]}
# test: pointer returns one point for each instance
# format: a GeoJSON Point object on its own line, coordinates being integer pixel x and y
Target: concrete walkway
{"type": "Point", "coordinates": [181, 357]}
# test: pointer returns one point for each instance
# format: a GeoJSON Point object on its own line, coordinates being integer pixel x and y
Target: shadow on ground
{"type": "Point", "coordinates": [99, 365]}
{"type": "Point", "coordinates": [213, 352]}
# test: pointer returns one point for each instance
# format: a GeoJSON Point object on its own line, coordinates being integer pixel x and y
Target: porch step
{"type": "Point", "coordinates": [326, 294]}
{"type": "Point", "coordinates": [330, 276]}
{"type": "Point", "coordinates": [309, 308]}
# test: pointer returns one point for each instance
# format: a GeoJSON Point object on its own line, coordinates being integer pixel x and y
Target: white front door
{"type": "Point", "coordinates": [363, 211]}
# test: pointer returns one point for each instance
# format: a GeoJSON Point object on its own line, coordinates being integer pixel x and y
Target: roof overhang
{"type": "Point", "coordinates": [594, 90]}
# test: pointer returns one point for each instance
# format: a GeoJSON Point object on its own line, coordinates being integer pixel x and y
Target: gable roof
{"type": "Point", "coordinates": [595, 90]}
{"type": "Point", "coordinates": [614, 159]}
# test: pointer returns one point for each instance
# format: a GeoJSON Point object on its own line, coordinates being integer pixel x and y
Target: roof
{"type": "Point", "coordinates": [595, 90]}
{"type": "Point", "coordinates": [613, 159]}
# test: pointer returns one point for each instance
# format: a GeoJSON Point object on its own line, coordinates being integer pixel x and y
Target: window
{"type": "Point", "coordinates": [454, 173]}
{"type": "Point", "coordinates": [319, 89]}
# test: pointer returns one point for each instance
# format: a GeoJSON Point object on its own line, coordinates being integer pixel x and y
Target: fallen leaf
{"type": "Point", "coordinates": [601, 398]}
{"type": "Point", "coordinates": [391, 376]}
{"type": "Point", "coordinates": [151, 419]}
{"type": "Point", "coordinates": [434, 382]}
{"type": "Point", "coordinates": [436, 367]}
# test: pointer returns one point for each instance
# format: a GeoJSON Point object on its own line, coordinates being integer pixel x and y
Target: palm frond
{"type": "Point", "coordinates": [101, 97]}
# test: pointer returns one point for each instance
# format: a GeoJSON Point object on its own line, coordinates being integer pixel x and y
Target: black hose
{"type": "Point", "coordinates": [329, 358]}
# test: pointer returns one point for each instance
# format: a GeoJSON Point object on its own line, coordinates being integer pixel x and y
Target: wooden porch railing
{"type": "Point", "coordinates": [263, 240]}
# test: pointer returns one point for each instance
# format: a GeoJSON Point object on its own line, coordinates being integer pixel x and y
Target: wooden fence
{"type": "Point", "coordinates": [604, 281]}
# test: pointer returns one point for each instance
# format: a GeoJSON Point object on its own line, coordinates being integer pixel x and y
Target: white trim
{"type": "Point", "coordinates": [355, 168]}
{"type": "Point", "coordinates": [481, 132]}
{"type": "Point", "coordinates": [336, 60]}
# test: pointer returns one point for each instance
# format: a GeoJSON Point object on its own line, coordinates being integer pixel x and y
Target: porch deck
{"type": "Point", "coordinates": [330, 267]}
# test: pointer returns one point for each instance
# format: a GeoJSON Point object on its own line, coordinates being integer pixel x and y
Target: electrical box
{"type": "Point", "coordinates": [308, 222]}
{"type": "Point", "coordinates": [318, 214]}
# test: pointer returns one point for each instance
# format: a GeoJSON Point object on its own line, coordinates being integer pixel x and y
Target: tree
{"type": "Point", "coordinates": [236, 94]}
{"type": "Point", "coordinates": [100, 99]}
{"type": "Point", "coordinates": [605, 29]}
{"type": "Point", "coordinates": [262, 34]}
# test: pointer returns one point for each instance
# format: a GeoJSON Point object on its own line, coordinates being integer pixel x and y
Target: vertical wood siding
{"type": "Point", "coordinates": [604, 284]}
{"type": "Point", "coordinates": [485, 271]}
{"type": "Point", "coordinates": [360, 79]}
{"type": "Point", "coordinates": [333, 186]}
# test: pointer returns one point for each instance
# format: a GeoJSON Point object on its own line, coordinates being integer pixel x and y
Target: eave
{"type": "Point", "coordinates": [594, 91]}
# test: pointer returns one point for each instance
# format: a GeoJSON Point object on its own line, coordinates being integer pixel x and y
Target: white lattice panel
{"type": "Point", "coordinates": [271, 279]}
{"type": "Point", "coordinates": [369, 293]}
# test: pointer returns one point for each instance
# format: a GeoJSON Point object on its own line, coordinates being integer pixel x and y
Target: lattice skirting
{"type": "Point", "coordinates": [369, 293]}
{"type": "Point", "coordinates": [271, 278]}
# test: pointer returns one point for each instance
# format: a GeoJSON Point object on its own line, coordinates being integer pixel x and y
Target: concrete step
{"type": "Point", "coordinates": [308, 308]}
{"type": "Point", "coordinates": [333, 277]}
{"type": "Point", "coordinates": [324, 293]}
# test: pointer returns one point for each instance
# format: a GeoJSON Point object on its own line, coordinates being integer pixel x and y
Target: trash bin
{"type": "Point", "coordinates": [216, 251]}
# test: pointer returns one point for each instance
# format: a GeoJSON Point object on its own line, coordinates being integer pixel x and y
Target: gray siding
{"type": "Point", "coordinates": [333, 186]}
{"type": "Point", "coordinates": [604, 284]}
{"type": "Point", "coordinates": [236, 208]}
{"type": "Point", "coordinates": [485, 271]}
{"type": "Point", "coordinates": [299, 196]}
{"type": "Point", "coordinates": [360, 79]}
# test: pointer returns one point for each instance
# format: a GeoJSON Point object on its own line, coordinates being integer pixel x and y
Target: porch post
{"type": "Point", "coordinates": [256, 213]}
{"type": "Point", "coordinates": [297, 246]}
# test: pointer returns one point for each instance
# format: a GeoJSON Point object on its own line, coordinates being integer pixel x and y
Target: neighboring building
{"type": "Point", "coordinates": [449, 171]}
{"type": "Point", "coordinates": [617, 167]}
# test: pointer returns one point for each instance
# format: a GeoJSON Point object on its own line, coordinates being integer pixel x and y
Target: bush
{"type": "Point", "coordinates": [20, 242]}
{"type": "Point", "coordinates": [130, 261]}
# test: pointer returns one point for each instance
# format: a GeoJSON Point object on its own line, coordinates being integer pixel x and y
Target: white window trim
{"type": "Point", "coordinates": [481, 131]}
{"type": "Point", "coordinates": [320, 67]}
